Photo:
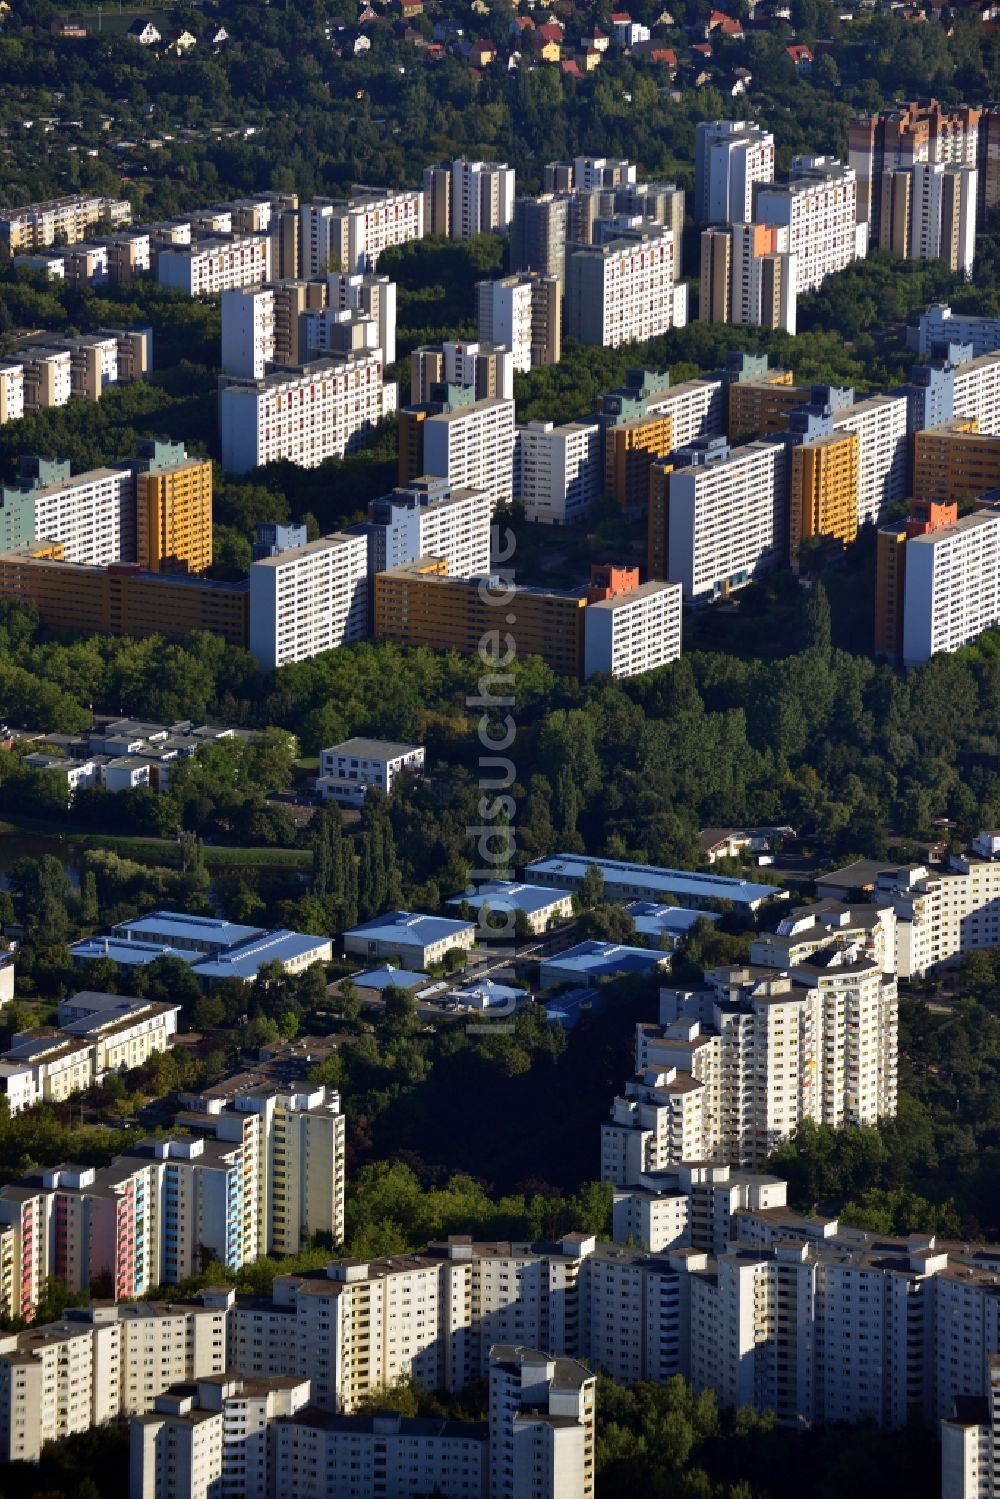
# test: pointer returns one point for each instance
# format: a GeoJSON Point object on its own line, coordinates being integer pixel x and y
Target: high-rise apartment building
{"type": "Point", "coordinates": [970, 1442]}
{"type": "Point", "coordinates": [173, 510]}
{"type": "Point", "coordinates": [585, 173]}
{"type": "Point", "coordinates": [486, 370]}
{"type": "Point", "coordinates": [372, 297]}
{"type": "Point", "coordinates": [928, 212]}
{"type": "Point", "coordinates": [429, 518]}
{"type": "Point", "coordinates": [349, 234]}
{"type": "Point", "coordinates": [67, 219]}
{"type": "Point", "coordinates": [215, 1435]}
{"type": "Point", "coordinates": [890, 570]}
{"type": "Point", "coordinates": [976, 393]}
{"type": "Point", "coordinates": [557, 470]}
{"type": "Point", "coordinates": [303, 413]}
{"type": "Point", "coordinates": [819, 1038]}
{"type": "Point", "coordinates": [309, 599]}
{"type": "Point", "coordinates": [523, 313]}
{"type": "Point", "coordinates": [817, 205]}
{"type": "Point", "coordinates": [538, 235]}
{"type": "Point", "coordinates": [11, 390]}
{"type": "Point", "coordinates": [747, 276]}
{"type": "Point", "coordinates": [954, 462]}
{"type": "Point", "coordinates": [209, 266]}
{"type": "Point", "coordinates": [902, 137]}
{"type": "Point", "coordinates": [880, 423]}
{"type": "Point", "coordinates": [542, 1435]}
{"type": "Point", "coordinates": [47, 377]}
{"type": "Point", "coordinates": [823, 490]}
{"type": "Point", "coordinates": [731, 158]}
{"type": "Point", "coordinates": [121, 600]}
{"type": "Point", "coordinates": [727, 519]}
{"type": "Point", "coordinates": [247, 331]}
{"type": "Point", "coordinates": [951, 586]}
{"type": "Point", "coordinates": [100, 1363]}
{"type": "Point", "coordinates": [633, 631]}
{"type": "Point", "coordinates": [419, 605]}
{"type": "Point", "coordinates": [91, 515]}
{"type": "Point", "coordinates": [437, 200]}
{"type": "Point", "coordinates": [624, 291]}
{"type": "Point", "coordinates": [472, 446]}
{"type": "Point", "coordinates": [482, 196]}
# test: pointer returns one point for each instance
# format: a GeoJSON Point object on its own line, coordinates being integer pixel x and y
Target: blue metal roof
{"type": "Point", "coordinates": [653, 920]}
{"type": "Point", "coordinates": [391, 978]}
{"type": "Point", "coordinates": [408, 929]}
{"type": "Point", "coordinates": [510, 895]}
{"type": "Point", "coordinates": [620, 873]}
{"type": "Point", "coordinates": [244, 959]}
{"type": "Point", "coordinates": [179, 924]}
{"type": "Point", "coordinates": [601, 959]}
{"type": "Point", "coordinates": [127, 954]}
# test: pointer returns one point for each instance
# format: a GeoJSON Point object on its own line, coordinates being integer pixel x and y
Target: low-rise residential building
{"type": "Point", "coordinates": [347, 770]}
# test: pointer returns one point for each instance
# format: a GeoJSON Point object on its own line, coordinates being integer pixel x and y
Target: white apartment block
{"type": "Point", "coordinates": [624, 291]}
{"type": "Point", "coordinates": [735, 1067]}
{"type": "Point", "coordinates": [91, 514]}
{"type": "Point", "coordinates": [247, 331]}
{"type": "Point", "coordinates": [48, 377]}
{"type": "Point", "coordinates": [633, 632]}
{"type": "Point", "coordinates": [308, 599]}
{"type": "Point", "coordinates": [731, 156]}
{"type": "Point", "coordinates": [883, 452]}
{"type": "Point", "coordinates": [763, 282]}
{"type": "Point", "coordinates": [697, 408]}
{"type": "Point", "coordinates": [210, 266]}
{"type": "Point", "coordinates": [488, 370]}
{"type": "Point", "coordinates": [303, 414]}
{"type": "Point", "coordinates": [482, 198]}
{"type": "Point", "coordinates": [359, 763]}
{"type": "Point", "coordinates": [219, 1437]}
{"type": "Point", "coordinates": [372, 296]}
{"type": "Point", "coordinates": [473, 448]}
{"type": "Point", "coordinates": [977, 392]}
{"type": "Point", "coordinates": [952, 586]}
{"type": "Point", "coordinates": [727, 520]}
{"type": "Point", "coordinates": [940, 325]}
{"type": "Point", "coordinates": [943, 214]}
{"type": "Point", "coordinates": [102, 1362]}
{"type": "Point", "coordinates": [522, 312]}
{"type": "Point", "coordinates": [429, 519]}
{"type": "Point", "coordinates": [970, 1442]}
{"type": "Point", "coordinates": [318, 1456]}
{"type": "Point", "coordinates": [11, 390]}
{"type": "Point", "coordinates": [542, 1432]}
{"type": "Point", "coordinates": [349, 235]}
{"type": "Point", "coordinates": [691, 1206]}
{"type": "Point", "coordinates": [66, 219]}
{"type": "Point", "coordinates": [557, 470]}
{"type": "Point", "coordinates": [931, 916]}
{"type": "Point", "coordinates": [818, 207]}
{"type": "Point", "coordinates": [260, 1173]}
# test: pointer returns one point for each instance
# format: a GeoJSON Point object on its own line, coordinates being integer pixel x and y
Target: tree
{"type": "Point", "coordinates": [591, 891]}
